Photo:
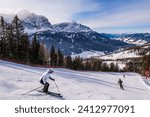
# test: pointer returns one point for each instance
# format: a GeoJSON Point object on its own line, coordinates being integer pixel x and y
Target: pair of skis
{"type": "Point", "coordinates": [48, 93]}
{"type": "Point", "coordinates": [51, 93]}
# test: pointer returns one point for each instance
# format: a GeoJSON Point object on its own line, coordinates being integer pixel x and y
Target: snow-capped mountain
{"type": "Point", "coordinates": [133, 38]}
{"type": "Point", "coordinates": [71, 27]}
{"type": "Point", "coordinates": [69, 37]}
{"type": "Point", "coordinates": [33, 23]}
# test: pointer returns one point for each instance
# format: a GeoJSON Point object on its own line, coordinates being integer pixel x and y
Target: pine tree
{"type": "Point", "coordinates": [53, 56]}
{"type": "Point", "coordinates": [116, 67]}
{"type": "Point", "coordinates": [88, 66]}
{"type": "Point", "coordinates": [130, 66]}
{"type": "Point", "coordinates": [3, 41]}
{"type": "Point", "coordinates": [34, 50]}
{"type": "Point", "coordinates": [145, 63]}
{"type": "Point", "coordinates": [104, 67]}
{"type": "Point", "coordinates": [97, 66]}
{"type": "Point", "coordinates": [60, 58]}
{"type": "Point", "coordinates": [18, 35]}
{"type": "Point", "coordinates": [42, 54]}
{"type": "Point", "coordinates": [24, 48]}
{"type": "Point", "coordinates": [112, 67]}
{"type": "Point", "coordinates": [68, 62]}
{"type": "Point", "coordinates": [77, 63]}
{"type": "Point", "coordinates": [11, 43]}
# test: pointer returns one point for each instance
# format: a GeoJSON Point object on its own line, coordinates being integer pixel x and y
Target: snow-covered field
{"type": "Point", "coordinates": [16, 79]}
{"type": "Point", "coordinates": [88, 54]}
{"type": "Point", "coordinates": [120, 55]}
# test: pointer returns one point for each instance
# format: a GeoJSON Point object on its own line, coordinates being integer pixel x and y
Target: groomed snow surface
{"type": "Point", "coordinates": [16, 79]}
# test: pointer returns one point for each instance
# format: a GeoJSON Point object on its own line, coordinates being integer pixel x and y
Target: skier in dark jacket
{"type": "Point", "coordinates": [120, 82]}
{"type": "Point", "coordinates": [45, 77]}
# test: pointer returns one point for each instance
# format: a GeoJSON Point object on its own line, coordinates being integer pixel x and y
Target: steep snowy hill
{"type": "Point", "coordinates": [16, 79]}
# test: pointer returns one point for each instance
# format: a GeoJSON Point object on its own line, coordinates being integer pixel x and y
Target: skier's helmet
{"type": "Point", "coordinates": [51, 70]}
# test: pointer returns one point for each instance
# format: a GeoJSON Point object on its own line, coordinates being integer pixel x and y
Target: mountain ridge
{"type": "Point", "coordinates": [131, 38]}
{"type": "Point", "coordinates": [69, 37]}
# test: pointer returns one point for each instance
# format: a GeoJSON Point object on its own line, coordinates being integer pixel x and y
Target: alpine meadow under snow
{"type": "Point", "coordinates": [16, 79]}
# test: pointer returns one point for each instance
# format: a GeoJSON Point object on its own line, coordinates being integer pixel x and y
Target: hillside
{"type": "Point", "coordinates": [132, 52]}
{"type": "Point", "coordinates": [16, 79]}
{"type": "Point", "coordinates": [131, 38]}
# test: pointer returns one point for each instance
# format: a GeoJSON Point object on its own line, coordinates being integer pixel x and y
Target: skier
{"type": "Point", "coordinates": [120, 82]}
{"type": "Point", "coordinates": [45, 77]}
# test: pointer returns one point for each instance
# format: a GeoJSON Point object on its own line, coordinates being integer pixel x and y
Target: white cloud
{"type": "Point", "coordinates": [55, 10]}
{"type": "Point", "coordinates": [119, 19]}
{"type": "Point", "coordinates": [127, 16]}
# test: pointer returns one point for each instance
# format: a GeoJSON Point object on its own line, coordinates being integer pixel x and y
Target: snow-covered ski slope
{"type": "Point", "coordinates": [16, 79]}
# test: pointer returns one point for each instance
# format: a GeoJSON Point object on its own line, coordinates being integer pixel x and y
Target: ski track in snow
{"type": "Point", "coordinates": [16, 79]}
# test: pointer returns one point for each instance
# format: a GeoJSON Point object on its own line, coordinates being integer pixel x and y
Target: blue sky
{"type": "Point", "coordinates": [108, 16]}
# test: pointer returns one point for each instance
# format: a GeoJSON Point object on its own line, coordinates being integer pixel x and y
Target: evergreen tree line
{"type": "Point", "coordinates": [15, 45]}
{"type": "Point", "coordinates": [78, 63]}
{"type": "Point", "coordinates": [56, 58]}
{"type": "Point", "coordinates": [145, 65]}
{"type": "Point", "coordinates": [142, 64]}
{"type": "Point", "coordinates": [146, 61]}
{"type": "Point", "coordinates": [13, 41]}
{"type": "Point", "coordinates": [138, 65]}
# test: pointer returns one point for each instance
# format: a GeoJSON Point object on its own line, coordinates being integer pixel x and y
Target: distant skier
{"type": "Point", "coordinates": [45, 77]}
{"type": "Point", "coordinates": [120, 82]}
{"type": "Point", "coordinates": [123, 76]}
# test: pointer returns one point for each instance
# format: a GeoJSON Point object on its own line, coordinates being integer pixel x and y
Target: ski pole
{"type": "Point", "coordinates": [56, 86]}
{"type": "Point", "coordinates": [32, 90]}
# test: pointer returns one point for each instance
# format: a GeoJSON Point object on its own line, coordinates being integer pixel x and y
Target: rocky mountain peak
{"type": "Point", "coordinates": [71, 27]}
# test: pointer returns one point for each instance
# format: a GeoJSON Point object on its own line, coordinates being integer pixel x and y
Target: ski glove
{"type": "Point", "coordinates": [51, 78]}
